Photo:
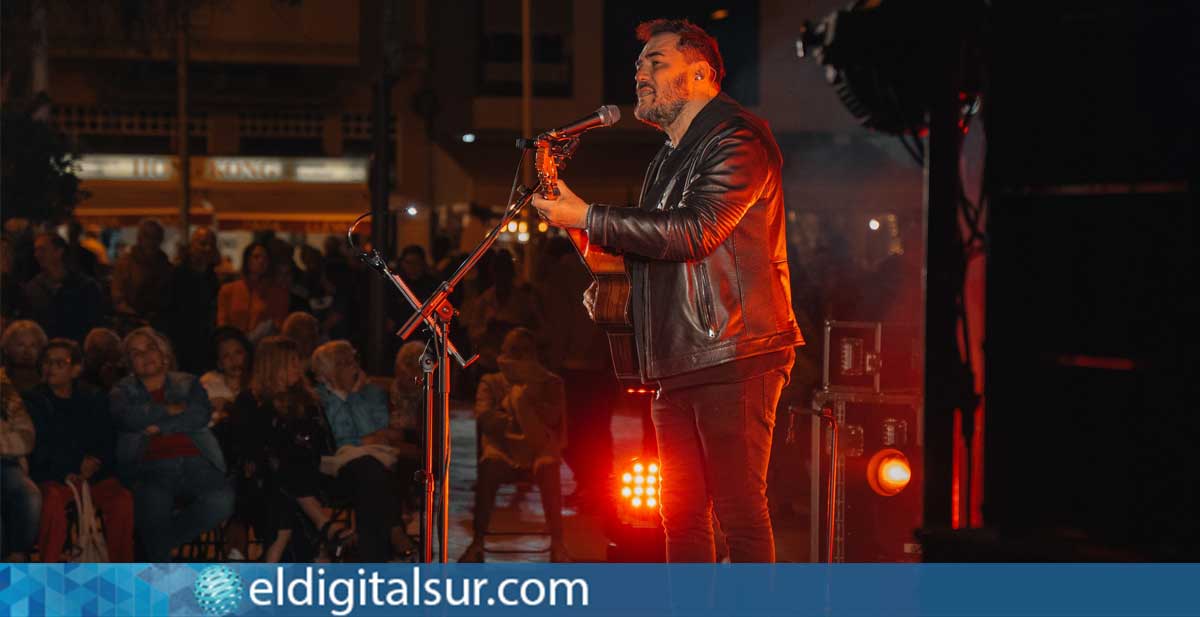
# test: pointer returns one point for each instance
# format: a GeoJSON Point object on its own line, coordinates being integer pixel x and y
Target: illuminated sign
{"type": "Point", "coordinates": [125, 167]}
{"type": "Point", "coordinates": [223, 169]}
{"type": "Point", "coordinates": [243, 169]}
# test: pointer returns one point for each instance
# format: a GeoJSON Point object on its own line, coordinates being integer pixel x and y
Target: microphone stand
{"type": "Point", "coordinates": [436, 313]}
{"type": "Point", "coordinates": [428, 364]}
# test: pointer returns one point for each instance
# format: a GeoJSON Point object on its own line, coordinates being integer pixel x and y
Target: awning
{"type": "Point", "coordinates": [298, 210]}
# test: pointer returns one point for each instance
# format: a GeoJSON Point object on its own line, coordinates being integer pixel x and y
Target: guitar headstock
{"type": "Point", "coordinates": [550, 156]}
{"type": "Point", "coordinates": [544, 161]}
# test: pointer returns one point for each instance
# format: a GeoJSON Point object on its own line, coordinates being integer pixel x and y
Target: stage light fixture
{"type": "Point", "coordinates": [638, 536]}
{"type": "Point", "coordinates": [873, 224]}
{"type": "Point", "coordinates": [877, 56]}
{"type": "Point", "coordinates": [888, 472]}
{"type": "Point", "coordinates": [638, 494]}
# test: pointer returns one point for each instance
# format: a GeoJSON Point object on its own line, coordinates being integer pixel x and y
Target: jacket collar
{"type": "Point", "coordinates": [660, 177]}
{"type": "Point", "coordinates": [720, 108]}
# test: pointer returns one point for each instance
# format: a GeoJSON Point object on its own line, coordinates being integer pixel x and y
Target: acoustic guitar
{"type": "Point", "coordinates": [611, 310]}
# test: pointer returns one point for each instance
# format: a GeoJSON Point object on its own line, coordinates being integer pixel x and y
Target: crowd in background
{"type": "Point", "coordinates": [189, 397]}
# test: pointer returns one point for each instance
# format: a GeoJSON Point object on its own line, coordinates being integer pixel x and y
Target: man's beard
{"type": "Point", "coordinates": [667, 106]}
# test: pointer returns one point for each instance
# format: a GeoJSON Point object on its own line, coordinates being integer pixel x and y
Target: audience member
{"type": "Point", "coordinates": [256, 304]}
{"type": "Point", "coordinates": [520, 413]}
{"type": "Point", "coordinates": [20, 234]}
{"type": "Point", "coordinates": [414, 269]}
{"type": "Point", "coordinates": [141, 278]}
{"type": "Point", "coordinates": [280, 436]}
{"type": "Point", "coordinates": [81, 258]}
{"type": "Point", "coordinates": [75, 445]}
{"type": "Point", "coordinates": [503, 306]}
{"type": "Point", "coordinates": [12, 294]}
{"type": "Point", "coordinates": [234, 358]}
{"type": "Point", "coordinates": [304, 330]}
{"type": "Point", "coordinates": [193, 302]}
{"type": "Point", "coordinates": [103, 362]}
{"type": "Point", "coordinates": [368, 450]}
{"type": "Point", "coordinates": [340, 276]}
{"type": "Point", "coordinates": [406, 397]}
{"type": "Point", "coordinates": [318, 290]}
{"type": "Point", "coordinates": [284, 270]}
{"type": "Point", "coordinates": [165, 450]}
{"type": "Point", "coordinates": [22, 345]}
{"type": "Point", "coordinates": [65, 302]}
{"type": "Point", "coordinates": [20, 500]}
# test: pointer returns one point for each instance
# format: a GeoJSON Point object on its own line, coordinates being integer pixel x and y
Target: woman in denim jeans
{"type": "Point", "coordinates": [165, 450]}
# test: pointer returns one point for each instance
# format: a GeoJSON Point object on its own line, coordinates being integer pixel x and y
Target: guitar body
{"type": "Point", "coordinates": [612, 303]}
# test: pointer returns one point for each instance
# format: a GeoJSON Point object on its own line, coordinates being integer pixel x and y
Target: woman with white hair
{"type": "Point", "coordinates": [165, 450]}
{"type": "Point", "coordinates": [367, 453]}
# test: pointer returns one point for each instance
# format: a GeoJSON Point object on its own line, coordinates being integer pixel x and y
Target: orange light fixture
{"type": "Point", "coordinates": [888, 472]}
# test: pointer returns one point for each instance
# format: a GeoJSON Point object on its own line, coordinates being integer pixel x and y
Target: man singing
{"type": "Point", "coordinates": [712, 313]}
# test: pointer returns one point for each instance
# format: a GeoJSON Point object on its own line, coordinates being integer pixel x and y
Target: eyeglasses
{"type": "Point", "coordinates": [56, 362]}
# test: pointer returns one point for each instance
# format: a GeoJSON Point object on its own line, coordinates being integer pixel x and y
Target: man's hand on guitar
{"type": "Point", "coordinates": [567, 211]}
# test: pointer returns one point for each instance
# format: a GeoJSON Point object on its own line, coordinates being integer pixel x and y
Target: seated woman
{"type": "Point", "coordinates": [521, 414]}
{"type": "Point", "coordinates": [235, 355]}
{"type": "Point", "coordinates": [165, 450]}
{"type": "Point", "coordinates": [22, 345]}
{"type": "Point", "coordinates": [367, 450]}
{"type": "Point", "coordinates": [279, 438]}
{"type": "Point", "coordinates": [75, 444]}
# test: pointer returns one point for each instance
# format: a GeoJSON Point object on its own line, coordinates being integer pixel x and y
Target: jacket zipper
{"type": "Point", "coordinates": [645, 364]}
{"type": "Point", "coordinates": [706, 307]}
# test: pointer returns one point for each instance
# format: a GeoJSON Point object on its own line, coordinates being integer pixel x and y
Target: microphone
{"type": "Point", "coordinates": [605, 116]}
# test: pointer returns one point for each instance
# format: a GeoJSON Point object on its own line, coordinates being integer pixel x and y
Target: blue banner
{"type": "Point", "coordinates": [598, 589]}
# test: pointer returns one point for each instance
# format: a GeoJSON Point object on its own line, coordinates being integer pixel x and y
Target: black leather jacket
{"type": "Point", "coordinates": [706, 249]}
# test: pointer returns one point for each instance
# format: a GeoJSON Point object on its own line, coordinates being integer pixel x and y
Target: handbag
{"type": "Point", "coordinates": [90, 546]}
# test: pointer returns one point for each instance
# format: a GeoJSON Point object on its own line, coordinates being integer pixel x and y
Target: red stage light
{"type": "Point", "coordinates": [639, 493]}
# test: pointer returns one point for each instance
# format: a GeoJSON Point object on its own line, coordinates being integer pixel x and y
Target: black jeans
{"type": "Point", "coordinates": [714, 442]}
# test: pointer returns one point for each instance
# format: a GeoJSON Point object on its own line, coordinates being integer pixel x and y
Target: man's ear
{"type": "Point", "coordinates": [76, 371]}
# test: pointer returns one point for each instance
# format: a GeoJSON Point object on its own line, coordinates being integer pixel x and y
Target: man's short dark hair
{"type": "Point", "coordinates": [69, 345]}
{"type": "Point", "coordinates": [694, 42]}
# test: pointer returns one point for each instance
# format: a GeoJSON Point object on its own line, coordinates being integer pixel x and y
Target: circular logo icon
{"type": "Point", "coordinates": [218, 590]}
